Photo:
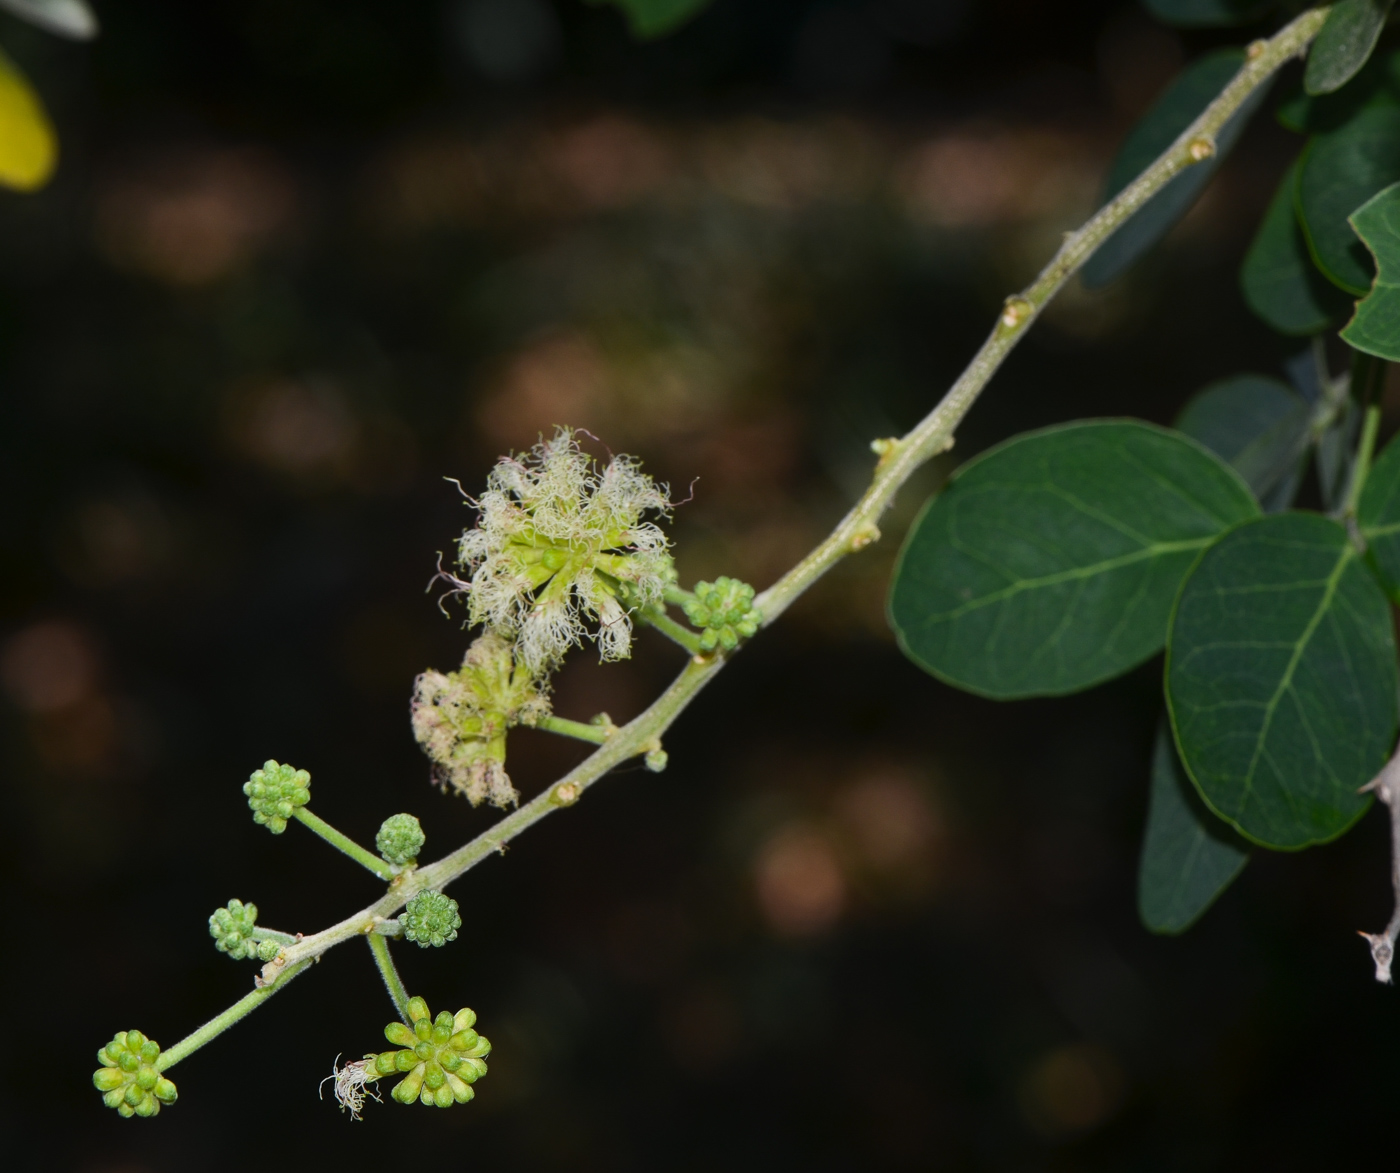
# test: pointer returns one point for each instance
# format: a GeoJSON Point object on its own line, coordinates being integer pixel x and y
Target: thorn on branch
{"type": "Point", "coordinates": [1386, 787]}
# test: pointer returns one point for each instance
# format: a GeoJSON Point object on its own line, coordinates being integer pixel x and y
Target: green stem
{"type": "Point", "coordinates": [379, 946]}
{"type": "Point", "coordinates": [597, 734]}
{"type": "Point", "coordinates": [380, 867]}
{"type": "Point", "coordinates": [678, 633]}
{"type": "Point", "coordinates": [240, 1009]}
{"type": "Point", "coordinates": [678, 596]}
{"type": "Point", "coordinates": [934, 434]}
{"type": "Point", "coordinates": [1361, 468]}
{"type": "Point", "coordinates": [897, 464]}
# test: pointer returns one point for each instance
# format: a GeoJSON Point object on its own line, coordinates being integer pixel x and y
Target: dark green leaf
{"type": "Point", "coordinates": [1339, 171]}
{"type": "Point", "coordinates": [1257, 425]}
{"type": "Point", "coordinates": [1378, 84]}
{"type": "Point", "coordinates": [1049, 563]}
{"type": "Point", "coordinates": [1345, 43]}
{"type": "Point", "coordinates": [67, 18]}
{"type": "Point", "coordinates": [1189, 856]}
{"type": "Point", "coordinates": [655, 18]}
{"type": "Point", "coordinates": [1183, 102]}
{"type": "Point", "coordinates": [1279, 280]}
{"type": "Point", "coordinates": [1281, 679]}
{"type": "Point", "coordinates": [1378, 515]}
{"type": "Point", "coordinates": [1205, 13]}
{"type": "Point", "coordinates": [1375, 328]}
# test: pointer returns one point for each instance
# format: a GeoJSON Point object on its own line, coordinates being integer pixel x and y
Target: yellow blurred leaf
{"type": "Point", "coordinates": [28, 147]}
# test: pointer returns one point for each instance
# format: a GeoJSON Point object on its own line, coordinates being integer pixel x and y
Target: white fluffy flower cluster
{"type": "Point", "coordinates": [560, 546]}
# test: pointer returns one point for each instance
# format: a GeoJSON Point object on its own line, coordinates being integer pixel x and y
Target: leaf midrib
{"type": "Point", "coordinates": [1155, 550]}
{"type": "Point", "coordinates": [1286, 680]}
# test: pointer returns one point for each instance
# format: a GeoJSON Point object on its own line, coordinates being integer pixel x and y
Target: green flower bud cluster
{"type": "Point", "coordinates": [274, 792]}
{"type": "Point", "coordinates": [128, 1079]}
{"type": "Point", "coordinates": [442, 1057]}
{"type": "Point", "coordinates": [234, 932]}
{"type": "Point", "coordinates": [400, 839]}
{"type": "Point", "coordinates": [430, 918]}
{"type": "Point", "coordinates": [724, 610]}
{"type": "Point", "coordinates": [461, 718]}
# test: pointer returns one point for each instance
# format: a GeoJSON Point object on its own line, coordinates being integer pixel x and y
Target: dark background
{"type": "Point", "coordinates": [302, 260]}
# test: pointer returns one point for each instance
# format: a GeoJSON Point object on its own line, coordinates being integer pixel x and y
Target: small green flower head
{"type": "Point", "coordinates": [441, 1057]}
{"type": "Point", "coordinates": [233, 929]}
{"type": "Point", "coordinates": [400, 839]}
{"type": "Point", "coordinates": [274, 792]}
{"type": "Point", "coordinates": [128, 1079]}
{"type": "Point", "coordinates": [560, 551]}
{"type": "Point", "coordinates": [724, 611]}
{"type": "Point", "coordinates": [430, 918]}
{"type": "Point", "coordinates": [461, 718]}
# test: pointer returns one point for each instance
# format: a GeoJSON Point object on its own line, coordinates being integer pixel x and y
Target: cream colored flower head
{"type": "Point", "coordinates": [561, 551]}
{"type": "Point", "coordinates": [461, 719]}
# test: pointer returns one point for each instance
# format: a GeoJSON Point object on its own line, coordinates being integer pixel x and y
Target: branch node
{"type": "Point", "coordinates": [1386, 787]}
{"type": "Point", "coordinates": [1382, 953]}
{"type": "Point", "coordinates": [656, 757]}
{"type": "Point", "coordinates": [1015, 312]}
{"type": "Point", "coordinates": [1201, 148]}
{"type": "Point", "coordinates": [884, 448]}
{"type": "Point", "coordinates": [866, 535]}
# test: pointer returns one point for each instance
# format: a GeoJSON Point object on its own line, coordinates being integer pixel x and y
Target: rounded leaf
{"type": "Point", "coordinates": [1281, 679]}
{"type": "Point", "coordinates": [1345, 43]}
{"type": "Point", "coordinates": [1279, 281]}
{"type": "Point", "coordinates": [1189, 857]}
{"type": "Point", "coordinates": [1340, 170]}
{"type": "Point", "coordinates": [1375, 327]}
{"type": "Point", "coordinates": [1050, 562]}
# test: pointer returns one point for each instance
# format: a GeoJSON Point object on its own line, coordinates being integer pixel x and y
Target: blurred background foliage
{"type": "Point", "coordinates": [300, 262]}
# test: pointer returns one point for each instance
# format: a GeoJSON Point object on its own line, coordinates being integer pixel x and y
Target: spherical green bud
{"type": "Point", "coordinates": [267, 950]}
{"type": "Point", "coordinates": [430, 918]}
{"type": "Point", "coordinates": [724, 612]}
{"type": "Point", "coordinates": [441, 1057]}
{"type": "Point", "coordinates": [106, 1079]}
{"type": "Point", "coordinates": [400, 1035]}
{"type": "Point", "coordinates": [656, 760]}
{"type": "Point", "coordinates": [406, 1090]}
{"type": "Point", "coordinates": [400, 839]}
{"type": "Point", "coordinates": [128, 1079]}
{"type": "Point", "coordinates": [274, 792]}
